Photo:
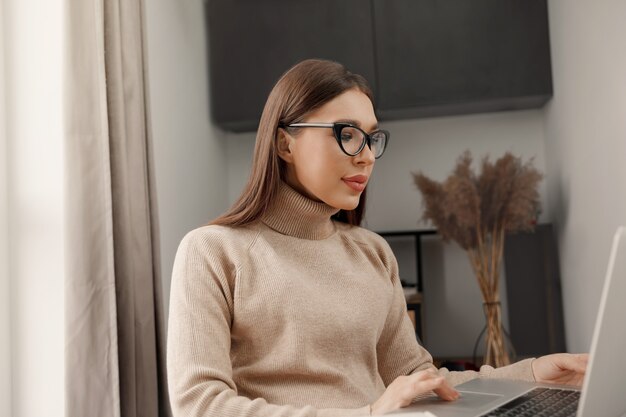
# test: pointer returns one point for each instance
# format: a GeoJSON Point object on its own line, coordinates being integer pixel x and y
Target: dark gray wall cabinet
{"type": "Point", "coordinates": [534, 296]}
{"type": "Point", "coordinates": [422, 57]}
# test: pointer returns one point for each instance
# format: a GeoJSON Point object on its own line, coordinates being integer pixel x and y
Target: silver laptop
{"type": "Point", "coordinates": [604, 388]}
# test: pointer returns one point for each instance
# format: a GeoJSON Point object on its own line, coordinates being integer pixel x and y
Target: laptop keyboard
{"type": "Point", "coordinates": [540, 402]}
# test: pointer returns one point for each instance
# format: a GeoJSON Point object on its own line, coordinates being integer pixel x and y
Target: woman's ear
{"type": "Point", "coordinates": [283, 145]}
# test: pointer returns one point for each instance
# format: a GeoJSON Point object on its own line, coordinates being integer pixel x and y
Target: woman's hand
{"type": "Point", "coordinates": [561, 368]}
{"type": "Point", "coordinates": [404, 389]}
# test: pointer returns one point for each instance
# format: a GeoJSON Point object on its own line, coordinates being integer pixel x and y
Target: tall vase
{"type": "Point", "coordinates": [496, 352]}
{"type": "Point", "coordinates": [485, 260]}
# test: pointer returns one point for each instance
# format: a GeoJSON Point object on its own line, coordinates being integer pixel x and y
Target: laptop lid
{"type": "Point", "coordinates": [603, 392]}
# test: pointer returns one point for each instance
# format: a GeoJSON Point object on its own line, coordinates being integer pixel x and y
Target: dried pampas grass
{"type": "Point", "coordinates": [476, 211]}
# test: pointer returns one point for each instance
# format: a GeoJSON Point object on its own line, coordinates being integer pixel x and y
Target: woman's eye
{"type": "Point", "coordinates": [348, 134]}
{"type": "Point", "coordinates": [377, 137]}
{"type": "Point", "coordinates": [345, 136]}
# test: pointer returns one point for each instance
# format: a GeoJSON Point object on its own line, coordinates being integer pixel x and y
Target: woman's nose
{"type": "Point", "coordinates": [365, 157]}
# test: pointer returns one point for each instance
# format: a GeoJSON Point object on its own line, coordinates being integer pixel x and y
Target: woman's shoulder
{"type": "Point", "coordinates": [366, 238]}
{"type": "Point", "coordinates": [359, 233]}
{"type": "Point", "coordinates": [211, 238]}
{"type": "Point", "coordinates": [369, 243]}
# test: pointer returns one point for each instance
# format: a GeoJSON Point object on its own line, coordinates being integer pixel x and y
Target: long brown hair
{"type": "Point", "coordinates": [302, 89]}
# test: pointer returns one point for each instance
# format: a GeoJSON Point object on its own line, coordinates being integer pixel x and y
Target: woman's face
{"type": "Point", "coordinates": [316, 165]}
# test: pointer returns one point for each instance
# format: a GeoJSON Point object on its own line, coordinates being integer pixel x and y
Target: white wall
{"type": "Point", "coordinates": [189, 151]}
{"type": "Point", "coordinates": [240, 147]}
{"type": "Point", "coordinates": [586, 149]}
{"type": "Point", "coordinates": [33, 58]}
{"type": "Point", "coordinates": [5, 327]}
{"type": "Point", "coordinates": [453, 306]}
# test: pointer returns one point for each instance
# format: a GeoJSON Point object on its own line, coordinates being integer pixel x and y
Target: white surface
{"type": "Point", "coordinates": [33, 58]}
{"type": "Point", "coordinates": [586, 150]}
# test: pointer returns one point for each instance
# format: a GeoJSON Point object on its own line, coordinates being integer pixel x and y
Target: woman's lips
{"type": "Point", "coordinates": [357, 182]}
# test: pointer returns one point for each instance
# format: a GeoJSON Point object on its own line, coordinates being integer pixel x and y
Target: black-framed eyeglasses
{"type": "Point", "coordinates": [351, 139]}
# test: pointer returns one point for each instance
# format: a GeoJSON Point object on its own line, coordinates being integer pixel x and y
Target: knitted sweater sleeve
{"type": "Point", "coordinates": [198, 344]}
{"type": "Point", "coordinates": [400, 354]}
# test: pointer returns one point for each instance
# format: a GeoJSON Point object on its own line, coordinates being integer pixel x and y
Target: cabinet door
{"type": "Point", "coordinates": [251, 44]}
{"type": "Point", "coordinates": [437, 57]}
{"type": "Point", "coordinates": [533, 287]}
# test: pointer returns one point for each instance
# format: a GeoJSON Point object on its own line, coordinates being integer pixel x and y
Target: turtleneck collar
{"type": "Point", "coordinates": [293, 214]}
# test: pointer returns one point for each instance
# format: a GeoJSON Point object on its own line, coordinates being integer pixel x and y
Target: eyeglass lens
{"type": "Point", "coordinates": [352, 140]}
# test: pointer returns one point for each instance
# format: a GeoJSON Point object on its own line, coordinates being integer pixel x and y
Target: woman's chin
{"type": "Point", "coordinates": [346, 204]}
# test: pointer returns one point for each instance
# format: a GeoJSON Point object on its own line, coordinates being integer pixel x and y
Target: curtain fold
{"type": "Point", "coordinates": [115, 358]}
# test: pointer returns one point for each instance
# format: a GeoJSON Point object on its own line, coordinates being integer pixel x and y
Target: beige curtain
{"type": "Point", "coordinates": [114, 319]}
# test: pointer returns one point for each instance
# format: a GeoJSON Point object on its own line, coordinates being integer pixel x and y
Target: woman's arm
{"type": "Point", "coordinates": [198, 345]}
{"type": "Point", "coordinates": [398, 352]}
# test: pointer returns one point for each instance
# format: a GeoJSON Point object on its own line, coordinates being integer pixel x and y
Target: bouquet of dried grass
{"type": "Point", "coordinates": [476, 212]}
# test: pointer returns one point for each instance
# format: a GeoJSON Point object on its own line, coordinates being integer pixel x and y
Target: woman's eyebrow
{"type": "Point", "coordinates": [357, 123]}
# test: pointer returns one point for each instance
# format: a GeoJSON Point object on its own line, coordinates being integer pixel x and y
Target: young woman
{"type": "Point", "coordinates": [284, 306]}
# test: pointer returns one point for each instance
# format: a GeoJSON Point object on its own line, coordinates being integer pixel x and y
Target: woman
{"type": "Point", "coordinates": [284, 306]}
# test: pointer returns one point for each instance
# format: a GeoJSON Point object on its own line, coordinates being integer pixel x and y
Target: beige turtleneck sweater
{"type": "Point", "coordinates": [293, 315]}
